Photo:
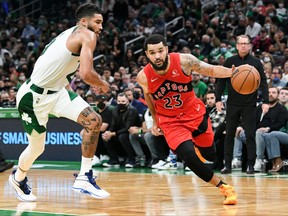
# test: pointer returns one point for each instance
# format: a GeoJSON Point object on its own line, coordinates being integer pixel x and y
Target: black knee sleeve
{"type": "Point", "coordinates": [209, 153]}
{"type": "Point", "coordinates": [187, 153]}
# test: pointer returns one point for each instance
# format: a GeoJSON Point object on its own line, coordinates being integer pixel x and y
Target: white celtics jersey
{"type": "Point", "coordinates": [56, 65]}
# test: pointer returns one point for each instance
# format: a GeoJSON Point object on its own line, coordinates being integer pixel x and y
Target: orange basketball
{"type": "Point", "coordinates": [246, 80]}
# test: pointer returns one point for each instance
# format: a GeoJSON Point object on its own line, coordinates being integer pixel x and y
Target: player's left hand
{"type": "Point", "coordinates": [156, 131]}
{"type": "Point", "coordinates": [234, 70]}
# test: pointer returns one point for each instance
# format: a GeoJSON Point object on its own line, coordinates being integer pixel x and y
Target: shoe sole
{"type": "Point", "coordinates": [230, 201]}
{"type": "Point", "coordinates": [11, 182]}
{"type": "Point", "coordinates": [167, 168]}
{"type": "Point", "coordinates": [129, 166]}
{"type": "Point", "coordinates": [82, 191]}
{"type": "Point", "coordinates": [155, 167]}
{"type": "Point", "coordinates": [107, 165]}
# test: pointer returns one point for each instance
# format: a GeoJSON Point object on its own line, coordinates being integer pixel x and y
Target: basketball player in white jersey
{"type": "Point", "coordinates": [45, 93]}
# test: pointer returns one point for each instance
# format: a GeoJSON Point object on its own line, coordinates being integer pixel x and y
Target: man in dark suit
{"type": "Point", "coordinates": [241, 106]}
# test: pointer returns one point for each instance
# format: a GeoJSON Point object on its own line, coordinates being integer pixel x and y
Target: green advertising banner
{"type": "Point", "coordinates": [9, 113]}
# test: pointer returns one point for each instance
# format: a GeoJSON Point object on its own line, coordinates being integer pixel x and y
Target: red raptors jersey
{"type": "Point", "coordinates": [173, 92]}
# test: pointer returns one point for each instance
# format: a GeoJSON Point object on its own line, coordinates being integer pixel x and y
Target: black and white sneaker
{"type": "Point", "coordinates": [86, 184]}
{"type": "Point", "coordinates": [23, 191]}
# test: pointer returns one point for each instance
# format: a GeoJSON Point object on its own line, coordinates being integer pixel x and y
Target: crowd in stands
{"type": "Point", "coordinates": [211, 38]}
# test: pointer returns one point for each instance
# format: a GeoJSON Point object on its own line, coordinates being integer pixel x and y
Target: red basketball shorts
{"type": "Point", "coordinates": [186, 127]}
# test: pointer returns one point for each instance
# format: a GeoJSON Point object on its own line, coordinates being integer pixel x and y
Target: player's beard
{"type": "Point", "coordinates": [162, 67]}
{"type": "Point", "coordinates": [272, 100]}
{"type": "Point", "coordinates": [91, 29]}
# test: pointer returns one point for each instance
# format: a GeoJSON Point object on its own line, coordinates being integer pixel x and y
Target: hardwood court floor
{"type": "Point", "coordinates": [143, 192]}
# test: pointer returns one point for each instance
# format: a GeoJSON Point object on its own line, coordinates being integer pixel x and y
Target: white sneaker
{"type": "Point", "coordinates": [171, 165]}
{"type": "Point", "coordinates": [86, 184]}
{"type": "Point", "coordinates": [259, 165]}
{"type": "Point", "coordinates": [129, 165]}
{"type": "Point", "coordinates": [22, 189]}
{"type": "Point", "coordinates": [160, 163]}
{"type": "Point", "coordinates": [96, 161]}
{"type": "Point", "coordinates": [104, 158]}
{"type": "Point", "coordinates": [236, 164]}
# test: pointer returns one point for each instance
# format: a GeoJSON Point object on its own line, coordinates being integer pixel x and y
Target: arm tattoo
{"type": "Point", "coordinates": [194, 64]}
{"type": "Point", "coordinates": [189, 63]}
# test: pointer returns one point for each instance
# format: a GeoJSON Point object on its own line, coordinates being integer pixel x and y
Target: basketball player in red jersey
{"type": "Point", "coordinates": [177, 112]}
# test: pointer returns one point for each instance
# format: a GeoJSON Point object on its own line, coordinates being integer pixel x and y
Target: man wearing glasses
{"type": "Point", "coordinates": [241, 106]}
{"type": "Point", "coordinates": [276, 78]}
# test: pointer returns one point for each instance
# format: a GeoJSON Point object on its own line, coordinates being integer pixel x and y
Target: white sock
{"type": "Point", "coordinates": [86, 165]}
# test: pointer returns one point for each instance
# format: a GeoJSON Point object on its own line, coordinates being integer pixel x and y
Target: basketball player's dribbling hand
{"type": "Point", "coordinates": [234, 70]}
{"type": "Point", "coordinates": [156, 131]}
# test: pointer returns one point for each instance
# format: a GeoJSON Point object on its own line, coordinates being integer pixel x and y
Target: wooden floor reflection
{"type": "Point", "coordinates": [149, 194]}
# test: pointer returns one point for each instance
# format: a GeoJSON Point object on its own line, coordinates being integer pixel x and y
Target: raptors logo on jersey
{"type": "Point", "coordinates": [168, 85]}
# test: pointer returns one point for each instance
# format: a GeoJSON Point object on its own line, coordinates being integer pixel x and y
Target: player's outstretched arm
{"type": "Point", "coordinates": [191, 63]}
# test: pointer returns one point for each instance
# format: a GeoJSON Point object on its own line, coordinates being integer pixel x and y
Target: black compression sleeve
{"type": "Point", "coordinates": [187, 153]}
